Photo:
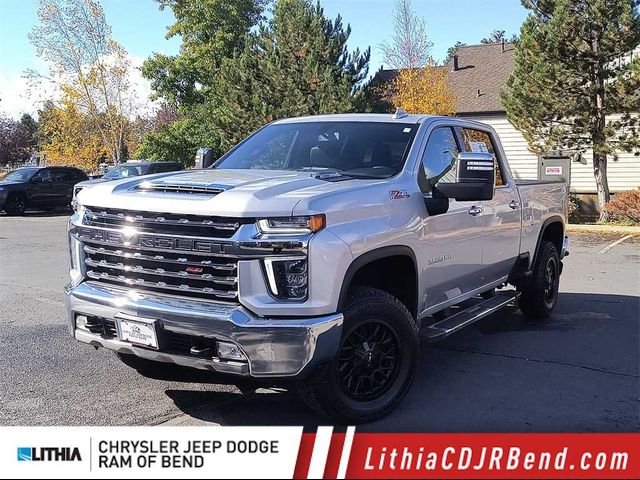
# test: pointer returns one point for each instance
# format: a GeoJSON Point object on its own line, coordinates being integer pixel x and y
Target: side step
{"type": "Point", "coordinates": [444, 328]}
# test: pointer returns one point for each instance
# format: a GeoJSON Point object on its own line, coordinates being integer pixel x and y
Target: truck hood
{"type": "Point", "coordinates": [219, 192]}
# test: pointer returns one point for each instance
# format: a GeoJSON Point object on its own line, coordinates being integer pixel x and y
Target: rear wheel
{"type": "Point", "coordinates": [375, 363]}
{"type": "Point", "coordinates": [16, 205]}
{"type": "Point", "coordinates": [540, 296]}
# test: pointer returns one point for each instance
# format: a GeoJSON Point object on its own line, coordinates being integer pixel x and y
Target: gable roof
{"type": "Point", "coordinates": [481, 75]}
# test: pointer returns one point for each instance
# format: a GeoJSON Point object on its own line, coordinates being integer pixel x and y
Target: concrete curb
{"type": "Point", "coordinates": [594, 228]}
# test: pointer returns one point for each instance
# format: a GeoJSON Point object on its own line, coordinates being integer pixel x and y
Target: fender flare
{"type": "Point", "coordinates": [372, 256]}
{"type": "Point", "coordinates": [545, 225]}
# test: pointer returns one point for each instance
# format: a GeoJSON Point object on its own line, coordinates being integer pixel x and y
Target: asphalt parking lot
{"type": "Point", "coordinates": [578, 371]}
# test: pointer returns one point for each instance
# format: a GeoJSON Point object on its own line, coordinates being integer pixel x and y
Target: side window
{"type": "Point", "coordinates": [478, 141]}
{"type": "Point", "coordinates": [44, 175]}
{"type": "Point", "coordinates": [166, 167]}
{"type": "Point", "coordinates": [64, 175]}
{"type": "Point", "coordinates": [439, 158]}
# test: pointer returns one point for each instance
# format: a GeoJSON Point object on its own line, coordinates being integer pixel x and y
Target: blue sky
{"type": "Point", "coordinates": [140, 26]}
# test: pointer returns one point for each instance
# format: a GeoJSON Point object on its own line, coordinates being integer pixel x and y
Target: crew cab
{"type": "Point", "coordinates": [43, 188]}
{"type": "Point", "coordinates": [316, 251]}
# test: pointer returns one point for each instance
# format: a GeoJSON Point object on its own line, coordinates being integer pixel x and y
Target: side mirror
{"type": "Point", "coordinates": [37, 180]}
{"type": "Point", "coordinates": [475, 178]}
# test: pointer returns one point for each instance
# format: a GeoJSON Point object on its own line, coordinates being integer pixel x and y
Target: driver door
{"type": "Point", "coordinates": [451, 242]}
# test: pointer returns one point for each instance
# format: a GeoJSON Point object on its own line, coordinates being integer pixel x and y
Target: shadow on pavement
{"type": "Point", "coordinates": [480, 369]}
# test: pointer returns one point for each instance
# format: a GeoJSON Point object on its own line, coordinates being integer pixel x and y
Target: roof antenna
{"type": "Point", "coordinates": [400, 113]}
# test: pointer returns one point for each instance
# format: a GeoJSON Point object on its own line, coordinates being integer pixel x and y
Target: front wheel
{"type": "Point", "coordinates": [16, 205]}
{"type": "Point", "coordinates": [375, 364]}
{"type": "Point", "coordinates": [540, 296]}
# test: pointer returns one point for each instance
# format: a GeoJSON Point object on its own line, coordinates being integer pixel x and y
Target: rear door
{"type": "Point", "coordinates": [502, 214]}
{"type": "Point", "coordinates": [40, 190]}
{"type": "Point", "coordinates": [451, 242]}
{"type": "Point", "coordinates": [63, 180]}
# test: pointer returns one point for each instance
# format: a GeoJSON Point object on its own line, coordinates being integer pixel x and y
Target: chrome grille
{"type": "Point", "coordinates": [181, 273]}
{"type": "Point", "coordinates": [183, 225]}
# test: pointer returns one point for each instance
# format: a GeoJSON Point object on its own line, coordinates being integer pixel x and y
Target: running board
{"type": "Point", "coordinates": [444, 328]}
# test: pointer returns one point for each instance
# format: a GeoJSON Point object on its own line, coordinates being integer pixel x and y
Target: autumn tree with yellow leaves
{"type": "Point", "coordinates": [90, 68]}
{"type": "Point", "coordinates": [420, 86]}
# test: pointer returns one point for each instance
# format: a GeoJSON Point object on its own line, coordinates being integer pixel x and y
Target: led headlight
{"type": "Point", "coordinates": [292, 225]}
{"type": "Point", "coordinates": [287, 277]}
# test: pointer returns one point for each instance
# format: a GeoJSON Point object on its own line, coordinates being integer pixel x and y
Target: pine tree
{"type": "Point", "coordinates": [296, 64]}
{"type": "Point", "coordinates": [576, 82]}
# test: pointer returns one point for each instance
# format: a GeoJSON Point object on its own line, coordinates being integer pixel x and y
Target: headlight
{"type": "Point", "coordinates": [292, 225]}
{"type": "Point", "coordinates": [287, 277]}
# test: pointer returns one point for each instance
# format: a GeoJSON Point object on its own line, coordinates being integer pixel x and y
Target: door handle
{"type": "Point", "coordinates": [514, 204]}
{"type": "Point", "coordinates": [475, 210]}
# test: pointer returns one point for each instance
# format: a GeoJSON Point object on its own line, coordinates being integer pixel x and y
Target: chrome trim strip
{"type": "Point", "coordinates": [159, 258]}
{"type": "Point", "coordinates": [138, 282]}
{"type": "Point", "coordinates": [159, 219]}
{"type": "Point", "coordinates": [205, 277]}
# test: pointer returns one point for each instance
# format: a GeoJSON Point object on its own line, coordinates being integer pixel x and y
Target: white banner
{"type": "Point", "coordinates": [148, 452]}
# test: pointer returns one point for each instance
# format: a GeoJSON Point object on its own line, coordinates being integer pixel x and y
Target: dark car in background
{"type": "Point", "coordinates": [132, 168]}
{"type": "Point", "coordinates": [45, 188]}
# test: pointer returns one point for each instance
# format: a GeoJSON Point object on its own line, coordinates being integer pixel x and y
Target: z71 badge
{"type": "Point", "coordinates": [396, 194]}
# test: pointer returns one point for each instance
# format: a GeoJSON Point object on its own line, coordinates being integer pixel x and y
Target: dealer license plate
{"type": "Point", "coordinates": [139, 332]}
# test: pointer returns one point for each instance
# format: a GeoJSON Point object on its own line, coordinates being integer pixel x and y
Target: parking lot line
{"type": "Point", "coordinates": [617, 242]}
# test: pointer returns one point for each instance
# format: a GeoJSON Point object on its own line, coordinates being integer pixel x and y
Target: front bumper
{"type": "Point", "coordinates": [273, 347]}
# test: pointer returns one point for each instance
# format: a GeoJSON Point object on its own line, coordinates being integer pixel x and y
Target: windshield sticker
{"type": "Point", "coordinates": [478, 147]}
{"type": "Point", "coordinates": [406, 130]}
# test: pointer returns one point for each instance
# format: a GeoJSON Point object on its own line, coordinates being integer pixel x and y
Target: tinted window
{"type": "Point", "coordinates": [44, 175]}
{"type": "Point", "coordinates": [64, 175]}
{"type": "Point", "coordinates": [439, 158]}
{"type": "Point", "coordinates": [165, 167]}
{"type": "Point", "coordinates": [479, 141]}
{"type": "Point", "coordinates": [367, 149]}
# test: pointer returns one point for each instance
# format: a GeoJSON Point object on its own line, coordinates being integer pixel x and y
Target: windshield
{"type": "Point", "coordinates": [123, 171]}
{"type": "Point", "coordinates": [360, 149]}
{"type": "Point", "coordinates": [20, 175]}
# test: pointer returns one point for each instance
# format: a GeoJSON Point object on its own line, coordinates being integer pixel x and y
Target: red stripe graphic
{"type": "Point", "coordinates": [304, 455]}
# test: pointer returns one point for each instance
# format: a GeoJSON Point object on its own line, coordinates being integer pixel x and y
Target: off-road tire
{"type": "Point", "coordinates": [16, 205]}
{"type": "Point", "coordinates": [367, 308]}
{"type": "Point", "coordinates": [539, 297]}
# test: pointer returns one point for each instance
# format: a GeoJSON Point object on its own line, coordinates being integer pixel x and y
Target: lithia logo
{"type": "Point", "coordinates": [49, 454]}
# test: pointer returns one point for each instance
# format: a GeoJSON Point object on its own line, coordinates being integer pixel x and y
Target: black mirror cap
{"type": "Point", "coordinates": [465, 191]}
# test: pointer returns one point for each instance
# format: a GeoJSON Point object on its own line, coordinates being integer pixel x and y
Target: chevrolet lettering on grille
{"type": "Point", "coordinates": [149, 241]}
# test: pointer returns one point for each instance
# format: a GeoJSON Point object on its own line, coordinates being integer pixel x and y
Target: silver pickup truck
{"type": "Point", "coordinates": [318, 250]}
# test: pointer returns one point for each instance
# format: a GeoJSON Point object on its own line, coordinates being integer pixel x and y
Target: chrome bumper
{"type": "Point", "coordinates": [274, 347]}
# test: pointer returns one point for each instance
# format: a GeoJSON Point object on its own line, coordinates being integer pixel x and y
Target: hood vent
{"type": "Point", "coordinates": [182, 188]}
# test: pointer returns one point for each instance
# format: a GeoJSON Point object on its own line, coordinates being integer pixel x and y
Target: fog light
{"type": "Point", "coordinates": [230, 351]}
{"type": "Point", "coordinates": [81, 322]}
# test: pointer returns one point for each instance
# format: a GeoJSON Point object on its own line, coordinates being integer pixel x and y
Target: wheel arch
{"type": "Point", "coordinates": [552, 230]}
{"type": "Point", "coordinates": [402, 282]}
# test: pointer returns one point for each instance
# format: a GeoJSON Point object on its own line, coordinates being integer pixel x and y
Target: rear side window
{"type": "Point", "coordinates": [480, 142]}
{"type": "Point", "coordinates": [439, 160]}
{"type": "Point", "coordinates": [165, 167]}
{"type": "Point", "coordinates": [64, 175]}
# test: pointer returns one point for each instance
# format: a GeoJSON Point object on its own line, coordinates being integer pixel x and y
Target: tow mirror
{"type": "Point", "coordinates": [475, 178]}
